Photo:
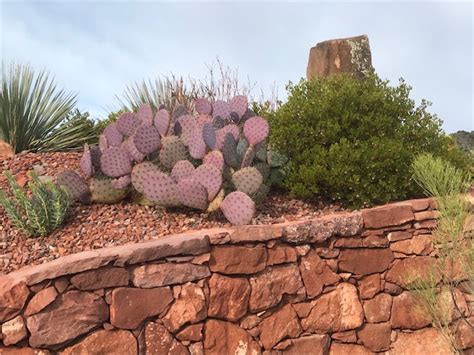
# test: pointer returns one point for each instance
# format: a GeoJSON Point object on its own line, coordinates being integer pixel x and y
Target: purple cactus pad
{"type": "Point", "coordinates": [162, 121]}
{"type": "Point", "coordinates": [238, 208]}
{"type": "Point", "coordinates": [210, 177]}
{"type": "Point", "coordinates": [121, 183]}
{"type": "Point", "coordinates": [127, 123]}
{"type": "Point", "coordinates": [114, 137]}
{"type": "Point", "coordinates": [221, 108]}
{"type": "Point", "coordinates": [145, 114]}
{"type": "Point", "coordinates": [239, 105]}
{"type": "Point", "coordinates": [256, 130]}
{"type": "Point", "coordinates": [203, 106]}
{"type": "Point", "coordinates": [197, 146]}
{"type": "Point", "coordinates": [86, 162]}
{"type": "Point", "coordinates": [115, 162]}
{"type": "Point", "coordinates": [192, 194]}
{"type": "Point", "coordinates": [215, 158]}
{"type": "Point", "coordinates": [147, 139]}
{"type": "Point", "coordinates": [209, 135]}
{"type": "Point", "coordinates": [183, 169]}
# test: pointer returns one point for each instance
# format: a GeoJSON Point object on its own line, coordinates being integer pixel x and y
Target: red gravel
{"type": "Point", "coordinates": [98, 226]}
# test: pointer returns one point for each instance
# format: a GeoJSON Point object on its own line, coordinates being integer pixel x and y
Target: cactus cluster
{"type": "Point", "coordinates": [214, 157]}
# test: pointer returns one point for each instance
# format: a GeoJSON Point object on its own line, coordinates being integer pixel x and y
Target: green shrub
{"type": "Point", "coordinates": [34, 113]}
{"type": "Point", "coordinates": [38, 213]}
{"type": "Point", "coordinates": [353, 141]}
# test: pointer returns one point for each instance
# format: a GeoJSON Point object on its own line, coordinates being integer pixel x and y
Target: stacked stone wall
{"type": "Point", "coordinates": [335, 284]}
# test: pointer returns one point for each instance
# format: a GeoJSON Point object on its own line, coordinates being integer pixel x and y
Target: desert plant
{"type": "Point", "coordinates": [352, 141]}
{"type": "Point", "coordinates": [213, 158]}
{"type": "Point", "coordinates": [455, 249]}
{"type": "Point", "coordinates": [33, 112]}
{"type": "Point", "coordinates": [37, 213]}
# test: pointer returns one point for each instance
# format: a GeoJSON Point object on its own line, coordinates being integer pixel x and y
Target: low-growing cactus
{"type": "Point", "coordinates": [215, 158]}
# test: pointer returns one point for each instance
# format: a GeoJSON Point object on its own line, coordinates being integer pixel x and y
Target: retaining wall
{"type": "Point", "coordinates": [334, 284]}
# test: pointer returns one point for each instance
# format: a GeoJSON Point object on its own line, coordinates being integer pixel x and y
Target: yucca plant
{"type": "Point", "coordinates": [38, 213]}
{"type": "Point", "coordinates": [33, 112]}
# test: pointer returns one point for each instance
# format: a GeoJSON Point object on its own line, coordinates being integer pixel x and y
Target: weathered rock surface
{"type": "Point", "coordinates": [131, 306]}
{"type": "Point", "coordinates": [316, 274]}
{"type": "Point", "coordinates": [336, 311]}
{"type": "Point", "coordinates": [237, 259]}
{"type": "Point", "coordinates": [280, 254]}
{"type": "Point", "coordinates": [155, 275]}
{"type": "Point", "coordinates": [280, 325]}
{"type": "Point", "coordinates": [419, 244]}
{"type": "Point", "coordinates": [269, 287]}
{"type": "Point", "coordinates": [227, 338]}
{"type": "Point", "coordinates": [192, 332]}
{"type": "Point", "coordinates": [40, 300]}
{"type": "Point", "coordinates": [389, 215]}
{"type": "Point", "coordinates": [105, 342]}
{"type": "Point", "coordinates": [374, 260]}
{"type": "Point", "coordinates": [73, 313]}
{"type": "Point", "coordinates": [13, 296]}
{"type": "Point", "coordinates": [229, 297]}
{"type": "Point", "coordinates": [404, 271]}
{"type": "Point", "coordinates": [369, 286]}
{"type": "Point", "coordinates": [407, 312]}
{"type": "Point", "coordinates": [159, 341]}
{"type": "Point", "coordinates": [346, 349]}
{"type": "Point", "coordinates": [378, 309]}
{"type": "Point", "coordinates": [314, 344]}
{"type": "Point", "coordinates": [101, 278]}
{"type": "Point", "coordinates": [375, 337]}
{"type": "Point", "coordinates": [345, 55]}
{"type": "Point", "coordinates": [6, 150]}
{"type": "Point", "coordinates": [13, 331]}
{"type": "Point", "coordinates": [426, 341]}
{"type": "Point", "coordinates": [188, 307]}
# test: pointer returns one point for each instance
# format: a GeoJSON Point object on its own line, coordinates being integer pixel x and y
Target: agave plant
{"type": "Point", "coordinates": [33, 112]}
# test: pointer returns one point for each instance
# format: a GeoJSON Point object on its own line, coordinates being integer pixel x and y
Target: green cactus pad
{"type": "Point", "coordinates": [103, 192]}
{"type": "Point", "coordinates": [249, 156]}
{"type": "Point", "coordinates": [172, 151]}
{"type": "Point", "coordinates": [138, 174]}
{"type": "Point", "coordinates": [247, 180]}
{"type": "Point", "coordinates": [230, 151]}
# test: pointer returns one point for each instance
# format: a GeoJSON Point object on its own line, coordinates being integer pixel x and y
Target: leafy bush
{"type": "Point", "coordinates": [455, 247]}
{"type": "Point", "coordinates": [353, 141]}
{"type": "Point", "coordinates": [38, 213]}
{"type": "Point", "coordinates": [34, 114]}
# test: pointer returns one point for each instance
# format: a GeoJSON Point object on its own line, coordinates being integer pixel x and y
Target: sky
{"type": "Point", "coordinates": [97, 48]}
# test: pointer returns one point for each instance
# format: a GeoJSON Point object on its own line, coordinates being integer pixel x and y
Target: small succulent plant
{"type": "Point", "coordinates": [215, 157]}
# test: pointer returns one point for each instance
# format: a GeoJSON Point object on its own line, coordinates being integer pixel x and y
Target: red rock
{"type": "Point", "coordinates": [61, 284]}
{"type": "Point", "coordinates": [314, 344]}
{"type": "Point", "coordinates": [464, 333]}
{"type": "Point", "coordinates": [13, 296]}
{"type": "Point", "coordinates": [227, 338]}
{"type": "Point", "coordinates": [327, 253]}
{"type": "Point", "coordinates": [191, 333]}
{"type": "Point", "coordinates": [6, 150]}
{"type": "Point", "coordinates": [196, 348]}
{"type": "Point", "coordinates": [404, 271]}
{"type": "Point", "coordinates": [419, 245]}
{"type": "Point", "coordinates": [188, 307]}
{"type": "Point", "coordinates": [371, 241]}
{"type": "Point", "coordinates": [407, 313]}
{"type": "Point", "coordinates": [281, 254]}
{"type": "Point", "coordinates": [389, 215]}
{"type": "Point", "coordinates": [346, 55]}
{"type": "Point", "coordinates": [280, 325]}
{"type": "Point", "coordinates": [159, 341]}
{"type": "Point", "coordinates": [101, 278]}
{"type": "Point", "coordinates": [377, 310]}
{"type": "Point", "coordinates": [369, 286]}
{"type": "Point", "coordinates": [237, 259]}
{"type": "Point", "coordinates": [269, 287]}
{"type": "Point", "coordinates": [316, 274]}
{"type": "Point", "coordinates": [24, 351]}
{"type": "Point", "coordinates": [345, 349]}
{"type": "Point", "coordinates": [375, 337]}
{"type": "Point", "coordinates": [398, 235]}
{"type": "Point", "coordinates": [251, 233]}
{"type": "Point", "coordinates": [428, 224]}
{"type": "Point", "coordinates": [420, 204]}
{"type": "Point", "coordinates": [336, 311]}
{"type": "Point", "coordinates": [41, 300]}
{"type": "Point", "coordinates": [131, 306]}
{"type": "Point", "coordinates": [155, 275]}
{"type": "Point", "coordinates": [348, 336]}
{"type": "Point", "coordinates": [229, 297]}
{"type": "Point", "coordinates": [374, 260]}
{"type": "Point", "coordinates": [250, 321]}
{"type": "Point", "coordinates": [13, 331]}
{"type": "Point", "coordinates": [392, 289]}
{"type": "Point", "coordinates": [105, 342]}
{"type": "Point", "coordinates": [421, 216]}
{"type": "Point", "coordinates": [425, 341]}
{"type": "Point", "coordinates": [72, 314]}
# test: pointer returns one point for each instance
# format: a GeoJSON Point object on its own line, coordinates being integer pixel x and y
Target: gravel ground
{"type": "Point", "coordinates": [97, 226]}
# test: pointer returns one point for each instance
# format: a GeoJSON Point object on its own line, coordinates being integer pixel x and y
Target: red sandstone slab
{"type": "Point", "coordinates": [388, 215]}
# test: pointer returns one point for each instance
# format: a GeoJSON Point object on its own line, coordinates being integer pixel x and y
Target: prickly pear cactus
{"type": "Point", "coordinates": [212, 157]}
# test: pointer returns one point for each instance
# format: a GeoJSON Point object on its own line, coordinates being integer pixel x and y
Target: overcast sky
{"type": "Point", "coordinates": [96, 48]}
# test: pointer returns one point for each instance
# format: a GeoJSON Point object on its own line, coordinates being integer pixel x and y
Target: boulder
{"type": "Point", "coordinates": [229, 297]}
{"type": "Point", "coordinates": [336, 311]}
{"type": "Point", "coordinates": [280, 325]}
{"type": "Point", "coordinates": [131, 306]}
{"type": "Point", "coordinates": [227, 338]}
{"type": "Point", "coordinates": [72, 314]}
{"type": "Point", "coordinates": [345, 55]}
{"type": "Point", "coordinates": [105, 342]}
{"type": "Point", "coordinates": [13, 331]}
{"type": "Point", "coordinates": [269, 287]}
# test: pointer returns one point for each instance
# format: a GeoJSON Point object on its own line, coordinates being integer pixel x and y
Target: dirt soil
{"type": "Point", "coordinates": [96, 226]}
